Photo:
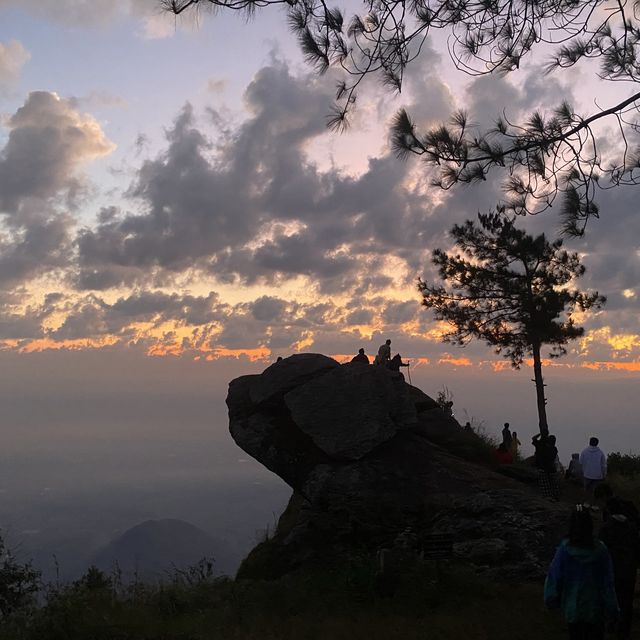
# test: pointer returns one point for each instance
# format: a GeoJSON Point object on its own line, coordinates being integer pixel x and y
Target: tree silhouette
{"type": "Point", "coordinates": [545, 155]}
{"type": "Point", "coordinates": [511, 290]}
{"type": "Point", "coordinates": [19, 583]}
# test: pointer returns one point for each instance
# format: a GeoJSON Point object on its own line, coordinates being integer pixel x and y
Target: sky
{"type": "Point", "coordinates": [174, 213]}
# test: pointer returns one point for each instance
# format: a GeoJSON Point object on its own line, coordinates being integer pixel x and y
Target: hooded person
{"type": "Point", "coordinates": [580, 580]}
{"type": "Point", "coordinates": [594, 465]}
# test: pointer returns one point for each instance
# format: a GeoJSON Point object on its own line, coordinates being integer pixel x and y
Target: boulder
{"type": "Point", "coordinates": [368, 457]}
{"type": "Point", "coordinates": [288, 374]}
{"type": "Point", "coordinates": [352, 409]}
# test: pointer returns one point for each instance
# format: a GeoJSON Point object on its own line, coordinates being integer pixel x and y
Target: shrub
{"type": "Point", "coordinates": [19, 583]}
{"type": "Point", "coordinates": [625, 464]}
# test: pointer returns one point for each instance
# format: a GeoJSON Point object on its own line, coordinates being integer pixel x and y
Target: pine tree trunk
{"type": "Point", "coordinates": [537, 375]}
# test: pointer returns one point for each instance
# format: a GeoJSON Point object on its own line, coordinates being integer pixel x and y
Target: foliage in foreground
{"type": "Point", "coordinates": [330, 602]}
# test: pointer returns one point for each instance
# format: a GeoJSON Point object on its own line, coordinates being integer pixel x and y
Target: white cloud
{"type": "Point", "coordinates": [74, 12]}
{"type": "Point", "coordinates": [13, 56]}
{"type": "Point", "coordinates": [49, 141]}
{"type": "Point", "coordinates": [159, 26]}
{"type": "Point", "coordinates": [155, 23]}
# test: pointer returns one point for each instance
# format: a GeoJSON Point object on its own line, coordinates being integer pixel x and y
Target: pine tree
{"type": "Point", "coordinates": [510, 289]}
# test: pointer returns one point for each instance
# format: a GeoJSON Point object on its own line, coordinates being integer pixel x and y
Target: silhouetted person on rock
{"type": "Point", "coordinates": [396, 362]}
{"type": "Point", "coordinates": [384, 353]}
{"type": "Point", "coordinates": [620, 532]}
{"type": "Point", "coordinates": [506, 436]}
{"type": "Point", "coordinates": [580, 580]}
{"type": "Point", "coordinates": [545, 461]}
{"type": "Point", "coordinates": [467, 427]}
{"type": "Point", "coordinates": [361, 357]}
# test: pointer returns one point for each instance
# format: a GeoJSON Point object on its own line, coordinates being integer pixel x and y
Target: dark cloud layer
{"type": "Point", "coordinates": [254, 208]}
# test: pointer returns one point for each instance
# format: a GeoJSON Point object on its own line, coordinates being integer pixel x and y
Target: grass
{"type": "Point", "coordinates": [329, 602]}
{"type": "Point", "coordinates": [625, 486]}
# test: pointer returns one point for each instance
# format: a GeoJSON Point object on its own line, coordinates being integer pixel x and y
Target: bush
{"type": "Point", "coordinates": [338, 601]}
{"type": "Point", "coordinates": [625, 464]}
{"type": "Point", "coordinates": [19, 583]}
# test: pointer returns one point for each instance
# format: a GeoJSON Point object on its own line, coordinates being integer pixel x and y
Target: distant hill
{"type": "Point", "coordinates": [151, 548]}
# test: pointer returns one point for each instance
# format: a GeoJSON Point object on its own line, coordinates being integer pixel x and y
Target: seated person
{"type": "Point", "coordinates": [361, 357]}
{"type": "Point", "coordinates": [396, 362]}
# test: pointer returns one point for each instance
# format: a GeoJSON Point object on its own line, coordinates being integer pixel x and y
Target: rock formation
{"type": "Point", "coordinates": [368, 456]}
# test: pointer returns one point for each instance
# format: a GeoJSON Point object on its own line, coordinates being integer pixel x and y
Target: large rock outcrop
{"type": "Point", "coordinates": [368, 456]}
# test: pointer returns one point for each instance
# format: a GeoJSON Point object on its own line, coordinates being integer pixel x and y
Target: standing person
{"type": "Point", "coordinates": [580, 580]}
{"type": "Point", "coordinates": [545, 461]}
{"type": "Point", "coordinates": [361, 357]}
{"type": "Point", "coordinates": [594, 466]}
{"type": "Point", "coordinates": [619, 532]}
{"type": "Point", "coordinates": [384, 353]}
{"type": "Point", "coordinates": [515, 445]}
{"type": "Point", "coordinates": [506, 436]}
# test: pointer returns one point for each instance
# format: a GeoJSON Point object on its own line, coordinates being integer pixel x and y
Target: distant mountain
{"type": "Point", "coordinates": [152, 548]}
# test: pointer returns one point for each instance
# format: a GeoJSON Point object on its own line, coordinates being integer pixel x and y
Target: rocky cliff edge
{"type": "Point", "coordinates": [369, 456]}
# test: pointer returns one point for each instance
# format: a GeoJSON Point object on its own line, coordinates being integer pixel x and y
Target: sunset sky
{"type": "Point", "coordinates": [174, 212]}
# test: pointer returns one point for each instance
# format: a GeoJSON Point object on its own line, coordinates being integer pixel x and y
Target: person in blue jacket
{"type": "Point", "coordinates": [580, 580]}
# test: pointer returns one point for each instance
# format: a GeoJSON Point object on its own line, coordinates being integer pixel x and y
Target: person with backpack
{"type": "Point", "coordinates": [580, 580]}
{"type": "Point", "coordinates": [620, 533]}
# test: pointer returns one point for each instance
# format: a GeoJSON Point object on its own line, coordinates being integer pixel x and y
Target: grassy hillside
{"type": "Point", "coordinates": [332, 602]}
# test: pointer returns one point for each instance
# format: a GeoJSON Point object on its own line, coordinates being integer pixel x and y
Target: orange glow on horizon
{"type": "Point", "coordinates": [456, 362]}
{"type": "Point", "coordinates": [612, 366]}
{"type": "Point", "coordinates": [45, 344]}
{"type": "Point", "coordinates": [253, 355]}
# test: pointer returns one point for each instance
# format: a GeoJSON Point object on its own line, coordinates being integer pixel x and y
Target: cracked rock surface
{"type": "Point", "coordinates": [368, 456]}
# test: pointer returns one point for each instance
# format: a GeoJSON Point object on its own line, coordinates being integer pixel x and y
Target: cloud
{"type": "Point", "coordinates": [155, 22]}
{"type": "Point", "coordinates": [13, 56]}
{"type": "Point", "coordinates": [48, 142]}
{"type": "Point", "coordinates": [250, 207]}
{"type": "Point", "coordinates": [156, 27]}
{"type": "Point", "coordinates": [230, 210]}
{"type": "Point", "coordinates": [75, 12]}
